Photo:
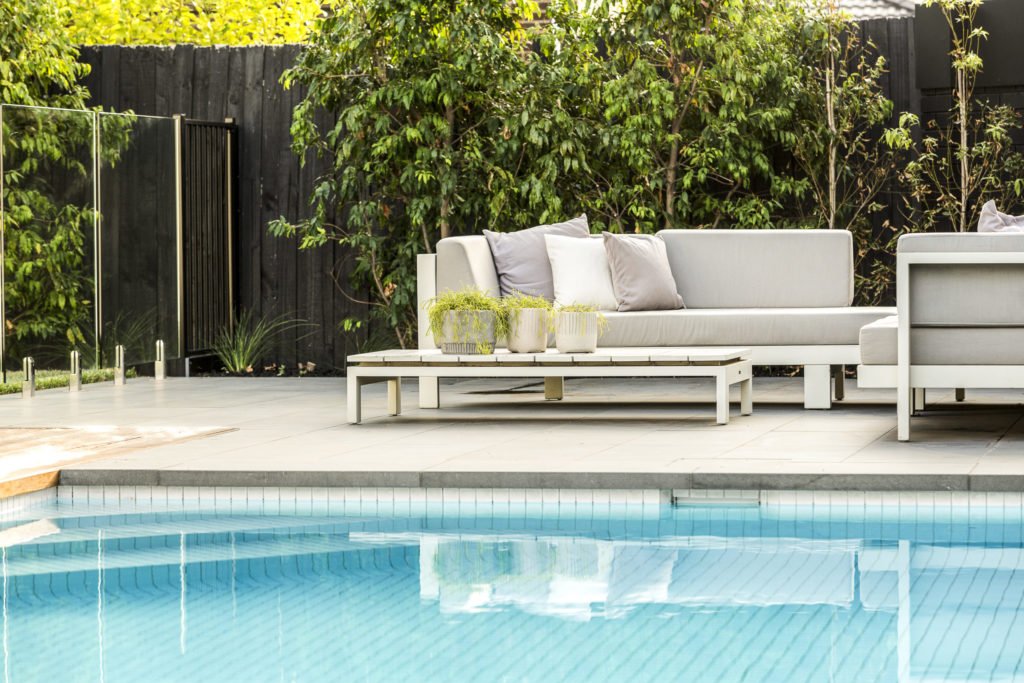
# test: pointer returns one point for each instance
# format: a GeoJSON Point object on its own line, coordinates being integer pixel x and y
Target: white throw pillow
{"type": "Point", "coordinates": [579, 269]}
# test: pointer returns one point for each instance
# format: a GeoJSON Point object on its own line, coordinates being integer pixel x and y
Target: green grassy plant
{"type": "Point", "coordinates": [466, 300]}
{"type": "Point", "coordinates": [517, 301]}
{"type": "Point", "coordinates": [242, 348]}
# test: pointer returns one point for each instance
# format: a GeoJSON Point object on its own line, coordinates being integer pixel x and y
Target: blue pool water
{"type": "Point", "coordinates": [746, 593]}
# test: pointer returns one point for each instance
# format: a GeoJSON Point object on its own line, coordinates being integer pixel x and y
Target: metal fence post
{"type": "Point", "coordinates": [75, 377]}
{"type": "Point", "coordinates": [160, 366]}
{"type": "Point", "coordinates": [179, 219]}
{"type": "Point", "coordinates": [28, 383]}
{"type": "Point", "coordinates": [120, 371]}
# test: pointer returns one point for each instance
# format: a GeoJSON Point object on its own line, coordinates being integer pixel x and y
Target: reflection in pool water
{"type": "Point", "coordinates": [716, 594]}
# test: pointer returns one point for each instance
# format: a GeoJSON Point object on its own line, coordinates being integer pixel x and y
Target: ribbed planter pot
{"type": "Point", "coordinates": [576, 332]}
{"type": "Point", "coordinates": [468, 332]}
{"type": "Point", "coordinates": [528, 330]}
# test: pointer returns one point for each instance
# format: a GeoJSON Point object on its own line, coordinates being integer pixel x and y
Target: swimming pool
{"type": "Point", "coordinates": [758, 588]}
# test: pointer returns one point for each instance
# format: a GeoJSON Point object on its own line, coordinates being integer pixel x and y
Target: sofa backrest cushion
{"type": "Point", "coordinates": [521, 258]}
{"type": "Point", "coordinates": [466, 262]}
{"type": "Point", "coordinates": [965, 295]}
{"type": "Point", "coordinates": [761, 268]}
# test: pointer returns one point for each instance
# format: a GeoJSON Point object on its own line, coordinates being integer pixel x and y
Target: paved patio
{"type": "Point", "coordinates": [492, 433]}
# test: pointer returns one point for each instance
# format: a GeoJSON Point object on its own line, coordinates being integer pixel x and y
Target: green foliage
{"type": "Point", "coordinates": [421, 91]}
{"type": "Point", "coordinates": [517, 301]}
{"type": "Point", "coordinates": [968, 160]}
{"type": "Point", "coordinates": [201, 22]}
{"type": "Point", "coordinates": [578, 308]}
{"type": "Point", "coordinates": [846, 166]}
{"type": "Point", "coordinates": [465, 301]}
{"type": "Point", "coordinates": [643, 114]}
{"type": "Point", "coordinates": [46, 164]}
{"type": "Point", "coordinates": [242, 347]}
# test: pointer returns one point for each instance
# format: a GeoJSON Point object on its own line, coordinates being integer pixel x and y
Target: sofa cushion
{"type": "Point", "coordinates": [641, 276]}
{"type": "Point", "coordinates": [521, 260]}
{"type": "Point", "coordinates": [943, 346]}
{"type": "Point", "coordinates": [761, 268]}
{"type": "Point", "coordinates": [580, 272]}
{"type": "Point", "coordinates": [740, 326]}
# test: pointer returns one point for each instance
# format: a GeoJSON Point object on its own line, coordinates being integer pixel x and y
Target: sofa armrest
{"type": "Point", "coordinates": [954, 281]}
{"type": "Point", "coordinates": [466, 262]}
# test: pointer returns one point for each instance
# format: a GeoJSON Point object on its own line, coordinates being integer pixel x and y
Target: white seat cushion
{"type": "Point", "coordinates": [740, 326]}
{"type": "Point", "coordinates": [945, 346]}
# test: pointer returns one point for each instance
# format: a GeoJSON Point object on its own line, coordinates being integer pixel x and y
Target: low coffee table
{"type": "Point", "coordinates": [727, 366]}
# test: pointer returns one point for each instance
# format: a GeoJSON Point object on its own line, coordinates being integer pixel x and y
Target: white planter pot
{"type": "Point", "coordinates": [528, 330]}
{"type": "Point", "coordinates": [576, 332]}
{"type": "Point", "coordinates": [468, 332]}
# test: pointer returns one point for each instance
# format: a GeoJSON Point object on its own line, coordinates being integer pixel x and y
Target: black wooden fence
{"type": "Point", "coordinates": [273, 276]}
{"type": "Point", "coordinates": [276, 278]}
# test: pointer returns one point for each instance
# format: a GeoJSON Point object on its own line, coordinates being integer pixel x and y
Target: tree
{"type": "Point", "coordinates": [970, 159]}
{"type": "Point", "coordinates": [838, 147]}
{"type": "Point", "coordinates": [46, 283]}
{"type": "Point", "coordinates": [423, 92]}
{"type": "Point", "coordinates": [202, 22]}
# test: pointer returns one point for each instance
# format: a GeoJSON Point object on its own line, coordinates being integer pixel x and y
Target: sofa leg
{"type": "Point", "coordinates": [554, 388]}
{"type": "Point", "coordinates": [817, 387]}
{"type": "Point", "coordinates": [430, 392]}
{"type": "Point", "coordinates": [839, 372]}
{"type": "Point", "coordinates": [918, 400]}
{"type": "Point", "coordinates": [961, 394]}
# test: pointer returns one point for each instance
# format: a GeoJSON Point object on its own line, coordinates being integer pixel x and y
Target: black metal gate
{"type": "Point", "coordinates": [208, 186]}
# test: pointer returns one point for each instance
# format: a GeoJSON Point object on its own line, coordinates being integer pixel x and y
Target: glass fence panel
{"type": "Point", "coordinates": [138, 236]}
{"type": "Point", "coordinates": [49, 214]}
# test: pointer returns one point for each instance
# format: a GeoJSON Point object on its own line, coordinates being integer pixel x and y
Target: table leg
{"type": "Point", "coordinates": [395, 396]}
{"type": "Point", "coordinates": [354, 398]}
{"type": "Point", "coordinates": [554, 388]}
{"type": "Point", "coordinates": [722, 399]}
{"type": "Point", "coordinates": [430, 392]}
{"type": "Point", "coordinates": [747, 397]}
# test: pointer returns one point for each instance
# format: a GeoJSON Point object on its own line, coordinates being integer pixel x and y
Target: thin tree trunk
{"type": "Point", "coordinates": [673, 156]}
{"type": "Point", "coordinates": [833, 135]}
{"type": "Point", "coordinates": [449, 117]}
{"type": "Point", "coordinates": [965, 170]}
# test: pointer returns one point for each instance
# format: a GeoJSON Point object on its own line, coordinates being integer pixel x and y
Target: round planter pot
{"type": "Point", "coordinates": [528, 330]}
{"type": "Point", "coordinates": [468, 332]}
{"type": "Point", "coordinates": [576, 332]}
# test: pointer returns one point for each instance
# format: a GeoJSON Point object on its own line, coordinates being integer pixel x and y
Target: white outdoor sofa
{"type": "Point", "coordinates": [960, 321]}
{"type": "Point", "coordinates": [785, 294]}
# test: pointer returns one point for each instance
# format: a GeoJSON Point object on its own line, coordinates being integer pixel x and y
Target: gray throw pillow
{"type": "Point", "coordinates": [641, 276]}
{"type": "Point", "coordinates": [521, 258]}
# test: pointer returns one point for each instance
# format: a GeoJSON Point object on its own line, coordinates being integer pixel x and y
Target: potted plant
{"type": "Point", "coordinates": [528, 321]}
{"type": "Point", "coordinates": [467, 321]}
{"type": "Point", "coordinates": [577, 328]}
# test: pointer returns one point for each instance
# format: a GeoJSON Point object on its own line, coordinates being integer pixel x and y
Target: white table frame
{"type": "Point", "coordinates": [726, 366]}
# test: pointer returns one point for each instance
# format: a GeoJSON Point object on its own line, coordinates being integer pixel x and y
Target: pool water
{"type": "Point", "coordinates": [496, 593]}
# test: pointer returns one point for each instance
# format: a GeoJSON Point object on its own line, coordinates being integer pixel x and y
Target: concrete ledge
{"type": "Point", "coordinates": [542, 480]}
